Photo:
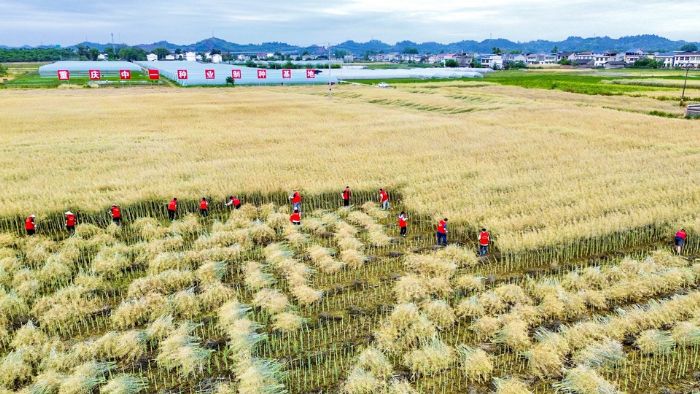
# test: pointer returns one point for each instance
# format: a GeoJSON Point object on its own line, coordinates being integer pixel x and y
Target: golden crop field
{"type": "Point", "coordinates": [580, 293]}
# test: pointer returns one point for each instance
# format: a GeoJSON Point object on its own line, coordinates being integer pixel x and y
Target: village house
{"type": "Point", "coordinates": [492, 61]}
{"type": "Point", "coordinates": [151, 57]}
{"type": "Point", "coordinates": [666, 59]}
{"type": "Point", "coordinates": [686, 59]}
{"type": "Point", "coordinates": [191, 56]}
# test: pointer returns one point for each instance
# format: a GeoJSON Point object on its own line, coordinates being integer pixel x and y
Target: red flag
{"type": "Point", "coordinates": [153, 74]}
{"type": "Point", "coordinates": [262, 74]}
{"type": "Point", "coordinates": [236, 74]}
{"type": "Point", "coordinates": [310, 74]}
{"type": "Point", "coordinates": [210, 74]}
{"type": "Point", "coordinates": [124, 74]}
{"type": "Point", "coordinates": [63, 75]}
{"type": "Point", "coordinates": [286, 74]}
{"type": "Point", "coordinates": [181, 74]}
{"type": "Point", "coordinates": [94, 75]}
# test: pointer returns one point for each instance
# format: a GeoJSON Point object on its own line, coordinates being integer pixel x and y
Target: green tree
{"type": "Point", "coordinates": [689, 48]}
{"type": "Point", "coordinates": [161, 53]}
{"type": "Point", "coordinates": [475, 63]}
{"type": "Point", "coordinates": [131, 54]}
{"type": "Point", "coordinates": [645, 62]}
{"type": "Point", "coordinates": [3, 70]}
{"type": "Point", "coordinates": [410, 51]}
{"type": "Point", "coordinates": [496, 50]}
{"type": "Point", "coordinates": [555, 49]}
{"type": "Point", "coordinates": [451, 63]}
{"type": "Point", "coordinates": [514, 65]}
{"type": "Point", "coordinates": [93, 53]}
{"type": "Point", "coordinates": [230, 81]}
{"type": "Point", "coordinates": [339, 53]}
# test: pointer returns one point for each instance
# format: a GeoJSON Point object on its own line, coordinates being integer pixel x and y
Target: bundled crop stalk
{"type": "Point", "coordinates": [476, 363]}
{"type": "Point", "coordinates": [181, 351]}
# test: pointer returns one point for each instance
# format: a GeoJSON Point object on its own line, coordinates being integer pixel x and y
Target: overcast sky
{"type": "Point", "coordinates": [305, 22]}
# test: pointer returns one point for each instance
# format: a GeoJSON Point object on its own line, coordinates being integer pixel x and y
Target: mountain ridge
{"type": "Point", "coordinates": [647, 42]}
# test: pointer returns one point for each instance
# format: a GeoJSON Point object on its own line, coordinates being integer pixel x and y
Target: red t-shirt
{"type": "Point", "coordinates": [484, 238]}
{"type": "Point", "coordinates": [402, 221]}
{"type": "Point", "coordinates": [295, 217]}
{"type": "Point", "coordinates": [296, 198]}
{"type": "Point", "coordinates": [204, 204]}
{"type": "Point", "coordinates": [441, 227]}
{"type": "Point", "coordinates": [384, 196]}
{"type": "Point", "coordinates": [29, 223]}
{"type": "Point", "coordinates": [172, 206]}
{"type": "Point", "coordinates": [116, 213]}
{"type": "Point", "coordinates": [682, 235]}
{"type": "Point", "coordinates": [346, 194]}
{"type": "Point", "coordinates": [70, 220]}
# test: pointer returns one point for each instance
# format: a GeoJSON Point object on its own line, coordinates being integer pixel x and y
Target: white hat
{"type": "Point", "coordinates": [68, 213]}
{"type": "Point", "coordinates": [32, 216]}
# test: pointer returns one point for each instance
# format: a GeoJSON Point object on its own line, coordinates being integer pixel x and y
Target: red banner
{"type": "Point", "coordinates": [286, 73]}
{"type": "Point", "coordinates": [124, 74]}
{"type": "Point", "coordinates": [63, 75]}
{"type": "Point", "coordinates": [236, 74]}
{"type": "Point", "coordinates": [181, 74]}
{"type": "Point", "coordinates": [210, 74]}
{"type": "Point", "coordinates": [94, 75]}
{"type": "Point", "coordinates": [310, 74]}
{"type": "Point", "coordinates": [153, 74]}
{"type": "Point", "coordinates": [262, 74]}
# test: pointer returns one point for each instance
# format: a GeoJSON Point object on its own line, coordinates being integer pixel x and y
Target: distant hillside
{"type": "Point", "coordinates": [646, 42]}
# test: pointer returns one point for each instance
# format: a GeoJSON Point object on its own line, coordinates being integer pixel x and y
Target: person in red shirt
{"type": "Point", "coordinates": [484, 242]}
{"type": "Point", "coordinates": [30, 224]}
{"type": "Point", "coordinates": [384, 199]}
{"type": "Point", "coordinates": [680, 239]}
{"type": "Point", "coordinates": [233, 202]}
{"type": "Point", "coordinates": [116, 213]}
{"type": "Point", "coordinates": [295, 218]}
{"type": "Point", "coordinates": [204, 207]}
{"type": "Point", "coordinates": [172, 208]}
{"type": "Point", "coordinates": [295, 198]}
{"type": "Point", "coordinates": [403, 223]}
{"type": "Point", "coordinates": [71, 220]}
{"type": "Point", "coordinates": [346, 194]}
{"type": "Point", "coordinates": [442, 232]}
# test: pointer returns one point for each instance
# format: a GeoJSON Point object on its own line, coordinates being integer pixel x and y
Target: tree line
{"type": "Point", "coordinates": [81, 52]}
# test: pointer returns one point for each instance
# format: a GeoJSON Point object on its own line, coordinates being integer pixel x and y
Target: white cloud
{"type": "Point", "coordinates": [313, 21]}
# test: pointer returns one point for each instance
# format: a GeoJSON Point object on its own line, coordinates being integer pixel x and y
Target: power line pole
{"type": "Point", "coordinates": [687, 70]}
{"type": "Point", "coordinates": [330, 87]}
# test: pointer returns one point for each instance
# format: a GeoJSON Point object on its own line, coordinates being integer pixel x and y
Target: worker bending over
{"type": "Point", "coordinates": [116, 214]}
{"type": "Point", "coordinates": [71, 220]}
{"type": "Point", "coordinates": [30, 224]}
{"type": "Point", "coordinates": [295, 218]}
{"type": "Point", "coordinates": [233, 202]}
